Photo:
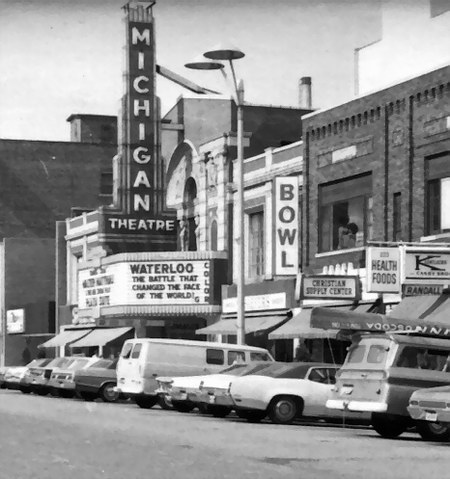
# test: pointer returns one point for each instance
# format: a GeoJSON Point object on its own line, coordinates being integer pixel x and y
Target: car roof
{"type": "Point", "coordinates": [406, 339]}
{"type": "Point", "coordinates": [186, 342]}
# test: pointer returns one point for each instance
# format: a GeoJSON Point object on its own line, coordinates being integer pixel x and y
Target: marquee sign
{"type": "Point", "coordinates": [331, 287]}
{"type": "Point", "coordinates": [286, 220]}
{"type": "Point", "coordinates": [127, 224]}
{"type": "Point", "coordinates": [145, 283]}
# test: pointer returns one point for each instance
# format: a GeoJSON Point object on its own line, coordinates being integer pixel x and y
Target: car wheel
{"type": "Point", "coordinates": [203, 408]}
{"type": "Point", "coordinates": [87, 396]}
{"type": "Point", "coordinates": [108, 394]}
{"type": "Point", "coordinates": [283, 410]}
{"type": "Point", "coordinates": [66, 394]}
{"type": "Point", "coordinates": [433, 431]}
{"type": "Point", "coordinates": [165, 402]}
{"type": "Point", "coordinates": [41, 392]}
{"type": "Point", "coordinates": [219, 411]}
{"type": "Point", "coordinates": [146, 402]}
{"type": "Point", "coordinates": [251, 415]}
{"type": "Point", "coordinates": [25, 390]}
{"type": "Point", "coordinates": [182, 406]}
{"type": "Point", "coordinates": [389, 426]}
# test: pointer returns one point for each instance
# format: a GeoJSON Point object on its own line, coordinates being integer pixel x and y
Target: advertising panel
{"type": "Point", "coordinates": [15, 321]}
{"type": "Point", "coordinates": [331, 287]}
{"type": "Point", "coordinates": [383, 270]}
{"type": "Point", "coordinates": [257, 302]}
{"type": "Point", "coordinates": [145, 283]}
{"type": "Point", "coordinates": [286, 222]}
{"type": "Point", "coordinates": [427, 265]}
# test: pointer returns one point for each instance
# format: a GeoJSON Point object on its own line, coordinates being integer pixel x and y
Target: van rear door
{"type": "Point", "coordinates": [130, 368]}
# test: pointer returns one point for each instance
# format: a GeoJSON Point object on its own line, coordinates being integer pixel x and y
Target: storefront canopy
{"type": "Point", "coordinates": [254, 323]}
{"type": "Point", "coordinates": [65, 337]}
{"type": "Point", "coordinates": [299, 327]}
{"type": "Point", "coordinates": [414, 306]}
{"type": "Point", "coordinates": [100, 337]}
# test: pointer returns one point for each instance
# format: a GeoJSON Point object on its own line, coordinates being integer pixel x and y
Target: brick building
{"type": "Point", "coordinates": [41, 182]}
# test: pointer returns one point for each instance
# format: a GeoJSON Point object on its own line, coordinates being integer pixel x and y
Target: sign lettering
{"type": "Point", "coordinates": [383, 270]}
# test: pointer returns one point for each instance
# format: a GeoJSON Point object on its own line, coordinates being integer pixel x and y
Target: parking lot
{"type": "Point", "coordinates": [49, 437]}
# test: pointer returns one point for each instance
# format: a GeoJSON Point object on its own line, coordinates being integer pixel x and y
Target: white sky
{"type": "Point", "coordinates": [59, 57]}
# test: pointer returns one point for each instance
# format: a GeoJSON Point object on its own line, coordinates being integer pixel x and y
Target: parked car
{"type": "Point", "coordinates": [61, 380]}
{"type": "Point", "coordinates": [97, 381]}
{"type": "Point", "coordinates": [3, 370]}
{"type": "Point", "coordinates": [213, 392]}
{"type": "Point", "coordinates": [285, 391]}
{"type": "Point", "coordinates": [36, 378]}
{"type": "Point", "coordinates": [381, 372]}
{"type": "Point", "coordinates": [142, 360]}
{"type": "Point", "coordinates": [432, 406]}
{"type": "Point", "coordinates": [14, 374]}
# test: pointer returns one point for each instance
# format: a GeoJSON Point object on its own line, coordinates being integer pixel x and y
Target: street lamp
{"type": "Point", "coordinates": [211, 61]}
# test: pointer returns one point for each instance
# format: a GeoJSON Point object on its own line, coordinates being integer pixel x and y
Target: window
{"type": "Point", "coordinates": [397, 226]}
{"type": "Point", "coordinates": [214, 356]}
{"type": "Point", "coordinates": [259, 357]}
{"type": "Point", "coordinates": [422, 358]}
{"type": "Point", "coordinates": [136, 351]}
{"type": "Point", "coordinates": [238, 356]}
{"type": "Point", "coordinates": [106, 183]}
{"type": "Point", "coordinates": [438, 195]}
{"type": "Point", "coordinates": [126, 350]}
{"type": "Point", "coordinates": [256, 244]}
{"type": "Point", "coordinates": [377, 354]}
{"type": "Point", "coordinates": [356, 354]}
{"type": "Point", "coordinates": [345, 213]}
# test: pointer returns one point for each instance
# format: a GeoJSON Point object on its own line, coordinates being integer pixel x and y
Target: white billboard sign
{"type": "Point", "coordinates": [286, 221]}
{"type": "Point", "coordinates": [145, 283]}
{"type": "Point", "coordinates": [383, 270]}
{"type": "Point", "coordinates": [427, 265]}
{"type": "Point", "coordinates": [15, 321]}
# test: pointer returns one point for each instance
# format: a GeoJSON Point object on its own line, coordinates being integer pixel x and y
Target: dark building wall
{"type": "Point", "coordinates": [41, 181]}
{"type": "Point", "coordinates": [29, 284]}
{"type": "Point", "coordinates": [93, 129]}
{"type": "Point", "coordinates": [395, 131]}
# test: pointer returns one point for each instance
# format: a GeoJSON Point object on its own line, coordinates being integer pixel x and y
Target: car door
{"type": "Point", "coordinates": [129, 373]}
{"type": "Point", "coordinates": [320, 384]}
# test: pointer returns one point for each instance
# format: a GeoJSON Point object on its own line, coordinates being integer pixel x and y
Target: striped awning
{"type": "Point", "coordinates": [65, 337]}
{"type": "Point", "coordinates": [100, 337]}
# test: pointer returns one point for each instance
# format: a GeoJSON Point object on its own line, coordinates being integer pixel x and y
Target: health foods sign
{"type": "Point", "coordinates": [383, 270]}
{"type": "Point", "coordinates": [145, 283]}
{"type": "Point", "coordinates": [331, 287]}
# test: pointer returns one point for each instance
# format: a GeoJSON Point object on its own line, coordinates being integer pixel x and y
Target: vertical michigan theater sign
{"type": "Point", "coordinates": [139, 185]}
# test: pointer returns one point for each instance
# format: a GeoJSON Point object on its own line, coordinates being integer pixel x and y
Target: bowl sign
{"type": "Point", "coordinates": [383, 270]}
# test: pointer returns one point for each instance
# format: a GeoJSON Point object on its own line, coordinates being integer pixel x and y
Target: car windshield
{"type": "Point", "coordinates": [59, 362]}
{"type": "Point", "coordinates": [101, 363]}
{"type": "Point", "coordinates": [285, 370]}
{"type": "Point", "coordinates": [38, 362]}
{"type": "Point", "coordinates": [78, 363]}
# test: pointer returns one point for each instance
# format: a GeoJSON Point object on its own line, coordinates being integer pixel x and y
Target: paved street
{"type": "Point", "coordinates": [46, 437]}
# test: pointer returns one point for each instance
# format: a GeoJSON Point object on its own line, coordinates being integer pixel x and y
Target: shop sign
{"type": "Point", "coordinates": [15, 321]}
{"type": "Point", "coordinates": [145, 283]}
{"type": "Point", "coordinates": [258, 302]}
{"type": "Point", "coordinates": [422, 289]}
{"type": "Point", "coordinates": [331, 287]}
{"type": "Point", "coordinates": [427, 265]}
{"type": "Point", "coordinates": [383, 270]}
{"type": "Point", "coordinates": [286, 225]}
{"type": "Point", "coordinates": [128, 224]}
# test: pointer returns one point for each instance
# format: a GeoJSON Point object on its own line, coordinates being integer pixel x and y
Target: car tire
{"type": "Point", "coordinates": [251, 415]}
{"type": "Point", "coordinates": [108, 394]}
{"type": "Point", "coordinates": [165, 402]}
{"type": "Point", "coordinates": [283, 409]}
{"type": "Point", "coordinates": [182, 406]}
{"type": "Point", "coordinates": [203, 408]}
{"type": "Point", "coordinates": [66, 394]}
{"type": "Point", "coordinates": [433, 431]}
{"type": "Point", "coordinates": [87, 396]}
{"type": "Point", "coordinates": [219, 411]}
{"type": "Point", "coordinates": [146, 402]}
{"type": "Point", "coordinates": [25, 390]}
{"type": "Point", "coordinates": [41, 392]}
{"type": "Point", "coordinates": [389, 426]}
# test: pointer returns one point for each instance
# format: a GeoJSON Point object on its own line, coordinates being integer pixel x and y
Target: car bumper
{"type": "Point", "coordinates": [67, 385]}
{"type": "Point", "coordinates": [357, 406]}
{"type": "Point", "coordinates": [429, 414]}
{"type": "Point", "coordinates": [218, 399]}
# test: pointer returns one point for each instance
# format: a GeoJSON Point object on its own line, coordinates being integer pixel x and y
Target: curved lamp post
{"type": "Point", "coordinates": [211, 61]}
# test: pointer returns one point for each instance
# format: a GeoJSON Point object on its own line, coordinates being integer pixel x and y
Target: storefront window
{"type": "Point", "coordinates": [256, 244]}
{"type": "Point", "coordinates": [438, 194]}
{"type": "Point", "coordinates": [345, 214]}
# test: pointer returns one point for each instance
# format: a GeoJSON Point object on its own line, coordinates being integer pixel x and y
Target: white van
{"type": "Point", "coordinates": [142, 360]}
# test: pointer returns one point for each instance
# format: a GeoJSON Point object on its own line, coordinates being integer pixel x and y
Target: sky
{"type": "Point", "coordinates": [59, 57]}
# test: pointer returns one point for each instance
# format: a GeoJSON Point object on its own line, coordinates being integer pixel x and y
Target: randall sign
{"type": "Point", "coordinates": [331, 287]}
{"type": "Point", "coordinates": [286, 221]}
{"type": "Point", "coordinates": [427, 265]}
{"type": "Point", "coordinates": [383, 270]}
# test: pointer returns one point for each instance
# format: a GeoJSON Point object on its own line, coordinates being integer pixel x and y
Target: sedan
{"type": "Point", "coordinates": [286, 391]}
{"type": "Point", "coordinates": [97, 381]}
{"type": "Point", "coordinates": [14, 374]}
{"type": "Point", "coordinates": [431, 408]}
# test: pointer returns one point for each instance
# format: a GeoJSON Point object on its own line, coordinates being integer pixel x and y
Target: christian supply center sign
{"type": "Point", "coordinates": [331, 287]}
{"type": "Point", "coordinates": [145, 283]}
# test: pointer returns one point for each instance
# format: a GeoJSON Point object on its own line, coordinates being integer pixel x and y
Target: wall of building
{"type": "Point", "coordinates": [415, 39]}
{"type": "Point", "coordinates": [93, 129]}
{"type": "Point", "coordinates": [390, 134]}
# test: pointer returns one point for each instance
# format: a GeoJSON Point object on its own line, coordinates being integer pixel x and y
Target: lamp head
{"type": "Point", "coordinates": [202, 63]}
{"type": "Point", "coordinates": [224, 52]}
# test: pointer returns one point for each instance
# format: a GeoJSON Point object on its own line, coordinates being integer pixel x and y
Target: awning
{"type": "Point", "coordinates": [299, 327]}
{"type": "Point", "coordinates": [254, 322]}
{"type": "Point", "coordinates": [414, 307]}
{"type": "Point", "coordinates": [363, 308]}
{"type": "Point", "coordinates": [65, 337]}
{"type": "Point", "coordinates": [440, 311]}
{"type": "Point", "coordinates": [100, 337]}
